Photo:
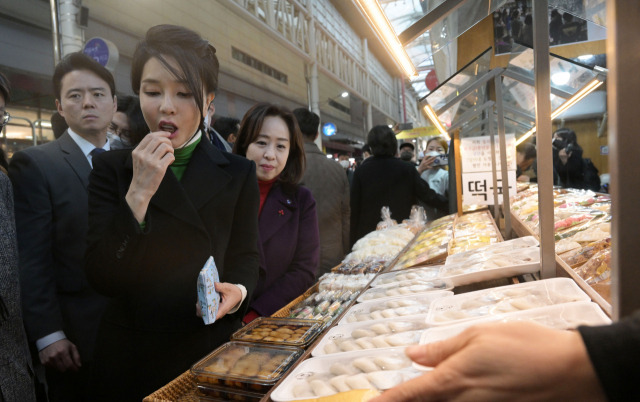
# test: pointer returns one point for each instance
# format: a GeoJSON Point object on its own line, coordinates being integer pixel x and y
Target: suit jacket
{"type": "Point", "coordinates": [330, 188]}
{"type": "Point", "coordinates": [50, 188]}
{"type": "Point", "coordinates": [15, 362]}
{"type": "Point", "coordinates": [387, 181]}
{"type": "Point", "coordinates": [289, 248]}
{"type": "Point", "coordinates": [150, 333]}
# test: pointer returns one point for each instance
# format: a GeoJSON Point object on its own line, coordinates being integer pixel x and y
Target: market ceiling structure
{"type": "Point", "coordinates": [422, 37]}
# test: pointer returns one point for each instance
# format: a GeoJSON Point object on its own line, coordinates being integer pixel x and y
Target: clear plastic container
{"type": "Point", "coordinates": [392, 307]}
{"type": "Point", "coordinates": [251, 367]}
{"type": "Point", "coordinates": [413, 274]}
{"type": "Point", "coordinates": [406, 288]}
{"type": "Point", "coordinates": [504, 299]}
{"type": "Point", "coordinates": [327, 375]}
{"type": "Point", "coordinates": [392, 332]}
{"type": "Point", "coordinates": [280, 331]}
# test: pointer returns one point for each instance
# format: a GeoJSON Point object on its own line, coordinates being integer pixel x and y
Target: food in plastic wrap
{"type": "Point", "coordinates": [414, 274]}
{"type": "Point", "coordinates": [386, 221]}
{"type": "Point", "coordinates": [404, 289]}
{"type": "Point", "coordinates": [324, 305]}
{"type": "Point", "coordinates": [565, 245]}
{"type": "Point", "coordinates": [587, 252]}
{"type": "Point", "coordinates": [286, 331]}
{"type": "Point", "coordinates": [598, 268]}
{"type": "Point", "coordinates": [333, 281]}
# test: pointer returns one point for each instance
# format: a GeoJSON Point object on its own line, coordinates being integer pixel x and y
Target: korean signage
{"type": "Point", "coordinates": [477, 167]}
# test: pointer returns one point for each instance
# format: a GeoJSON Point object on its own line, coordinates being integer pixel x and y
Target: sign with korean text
{"type": "Point", "coordinates": [477, 168]}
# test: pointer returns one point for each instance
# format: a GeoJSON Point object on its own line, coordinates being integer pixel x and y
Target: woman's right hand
{"type": "Point", "coordinates": [426, 163]}
{"type": "Point", "coordinates": [151, 158]}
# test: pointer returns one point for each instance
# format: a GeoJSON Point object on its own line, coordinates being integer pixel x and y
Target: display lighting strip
{"type": "Point", "coordinates": [381, 24]}
{"type": "Point", "coordinates": [590, 87]}
{"type": "Point", "coordinates": [436, 122]}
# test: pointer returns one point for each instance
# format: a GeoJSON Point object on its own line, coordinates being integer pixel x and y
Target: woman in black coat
{"type": "Point", "coordinates": [156, 214]}
{"type": "Point", "coordinates": [385, 180]}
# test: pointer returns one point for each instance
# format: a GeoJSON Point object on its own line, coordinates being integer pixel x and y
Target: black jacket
{"type": "Point", "coordinates": [387, 181]}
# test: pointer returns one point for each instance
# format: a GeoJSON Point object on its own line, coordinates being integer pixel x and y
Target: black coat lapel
{"type": "Point", "coordinates": [75, 158]}
{"type": "Point", "coordinates": [278, 209]}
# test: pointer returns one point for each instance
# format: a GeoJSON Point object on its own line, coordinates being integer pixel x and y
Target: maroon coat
{"type": "Point", "coordinates": [289, 248]}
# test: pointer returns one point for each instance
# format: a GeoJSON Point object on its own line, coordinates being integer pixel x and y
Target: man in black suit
{"type": "Point", "coordinates": [61, 311]}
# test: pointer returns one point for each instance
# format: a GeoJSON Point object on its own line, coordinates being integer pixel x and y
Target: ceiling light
{"type": "Point", "coordinates": [379, 21]}
{"type": "Point", "coordinates": [344, 94]}
{"type": "Point", "coordinates": [436, 122]}
{"type": "Point", "coordinates": [560, 78]}
{"type": "Point", "coordinates": [577, 97]}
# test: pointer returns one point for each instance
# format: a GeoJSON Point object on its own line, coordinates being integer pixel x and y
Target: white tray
{"type": "Point", "coordinates": [559, 316]}
{"type": "Point", "coordinates": [410, 274]}
{"type": "Point", "coordinates": [402, 306]}
{"type": "Point", "coordinates": [486, 252]}
{"type": "Point", "coordinates": [474, 272]}
{"type": "Point", "coordinates": [319, 368]}
{"type": "Point", "coordinates": [503, 299]}
{"type": "Point", "coordinates": [405, 289]}
{"type": "Point", "coordinates": [412, 326]}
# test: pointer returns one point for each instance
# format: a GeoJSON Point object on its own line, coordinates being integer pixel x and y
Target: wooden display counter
{"type": "Point", "coordinates": [562, 269]}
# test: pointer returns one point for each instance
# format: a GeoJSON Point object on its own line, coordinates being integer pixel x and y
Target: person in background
{"type": "Point", "coordinates": [61, 311]}
{"type": "Point", "coordinates": [156, 215]}
{"type": "Point", "coordinates": [228, 128]}
{"type": "Point", "coordinates": [289, 238]}
{"type": "Point", "coordinates": [343, 160]}
{"type": "Point", "coordinates": [571, 169]}
{"type": "Point", "coordinates": [128, 126]}
{"type": "Point", "coordinates": [408, 152]}
{"type": "Point", "coordinates": [385, 180]}
{"type": "Point", "coordinates": [366, 152]}
{"type": "Point", "coordinates": [216, 139]}
{"type": "Point", "coordinates": [4, 164]}
{"type": "Point", "coordinates": [330, 188]}
{"type": "Point", "coordinates": [434, 173]}
{"type": "Point", "coordinates": [526, 163]}
{"type": "Point", "coordinates": [17, 382]}
{"type": "Point", "coordinates": [590, 364]}
{"type": "Point", "coordinates": [58, 125]}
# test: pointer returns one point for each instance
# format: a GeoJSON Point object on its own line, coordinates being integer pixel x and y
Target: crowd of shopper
{"type": "Point", "coordinates": [107, 246]}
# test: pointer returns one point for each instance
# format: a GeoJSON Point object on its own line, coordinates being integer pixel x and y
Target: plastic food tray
{"type": "Point", "coordinates": [411, 327]}
{"type": "Point", "coordinates": [251, 367]}
{"type": "Point", "coordinates": [394, 306]}
{"type": "Point", "coordinates": [280, 331]}
{"type": "Point", "coordinates": [486, 252]}
{"type": "Point", "coordinates": [413, 274]}
{"type": "Point", "coordinates": [407, 289]}
{"type": "Point", "coordinates": [504, 299]}
{"type": "Point", "coordinates": [559, 316]}
{"type": "Point", "coordinates": [326, 368]}
{"type": "Point", "coordinates": [517, 262]}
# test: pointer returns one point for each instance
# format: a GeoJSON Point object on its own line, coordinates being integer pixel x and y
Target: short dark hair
{"type": "Point", "coordinates": [130, 105]}
{"type": "Point", "coordinates": [80, 61]}
{"type": "Point", "coordinates": [567, 134]}
{"type": "Point", "coordinates": [527, 149]}
{"type": "Point", "coordinates": [366, 148]}
{"type": "Point", "coordinates": [195, 56]}
{"type": "Point", "coordinates": [5, 88]}
{"type": "Point", "coordinates": [382, 141]}
{"type": "Point", "coordinates": [408, 145]}
{"type": "Point", "coordinates": [250, 128]}
{"type": "Point", "coordinates": [58, 125]}
{"type": "Point", "coordinates": [308, 122]}
{"type": "Point", "coordinates": [226, 126]}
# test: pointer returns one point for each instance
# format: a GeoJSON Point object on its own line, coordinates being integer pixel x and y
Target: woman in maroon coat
{"type": "Point", "coordinates": [288, 224]}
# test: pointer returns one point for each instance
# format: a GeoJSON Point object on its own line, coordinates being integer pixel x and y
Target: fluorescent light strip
{"type": "Point", "coordinates": [586, 90]}
{"type": "Point", "coordinates": [436, 122]}
{"type": "Point", "coordinates": [381, 24]}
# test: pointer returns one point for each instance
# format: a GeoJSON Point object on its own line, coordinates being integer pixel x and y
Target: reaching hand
{"type": "Point", "coordinates": [62, 356]}
{"type": "Point", "coordinates": [151, 158]}
{"type": "Point", "coordinates": [230, 296]}
{"type": "Point", "coordinates": [426, 163]}
{"type": "Point", "coordinates": [502, 362]}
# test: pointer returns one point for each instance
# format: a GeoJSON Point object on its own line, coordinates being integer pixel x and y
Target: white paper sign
{"type": "Point", "coordinates": [476, 153]}
{"type": "Point", "coordinates": [477, 188]}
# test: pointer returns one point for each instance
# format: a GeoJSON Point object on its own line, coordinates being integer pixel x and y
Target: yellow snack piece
{"type": "Point", "coordinates": [356, 395]}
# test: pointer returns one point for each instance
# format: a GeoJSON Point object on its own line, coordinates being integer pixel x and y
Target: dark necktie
{"type": "Point", "coordinates": [96, 151]}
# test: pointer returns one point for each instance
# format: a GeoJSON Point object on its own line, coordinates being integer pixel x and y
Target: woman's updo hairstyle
{"type": "Point", "coordinates": [195, 56]}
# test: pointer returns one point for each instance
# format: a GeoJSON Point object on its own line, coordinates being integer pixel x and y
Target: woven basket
{"type": "Point", "coordinates": [182, 389]}
{"type": "Point", "coordinates": [284, 312]}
